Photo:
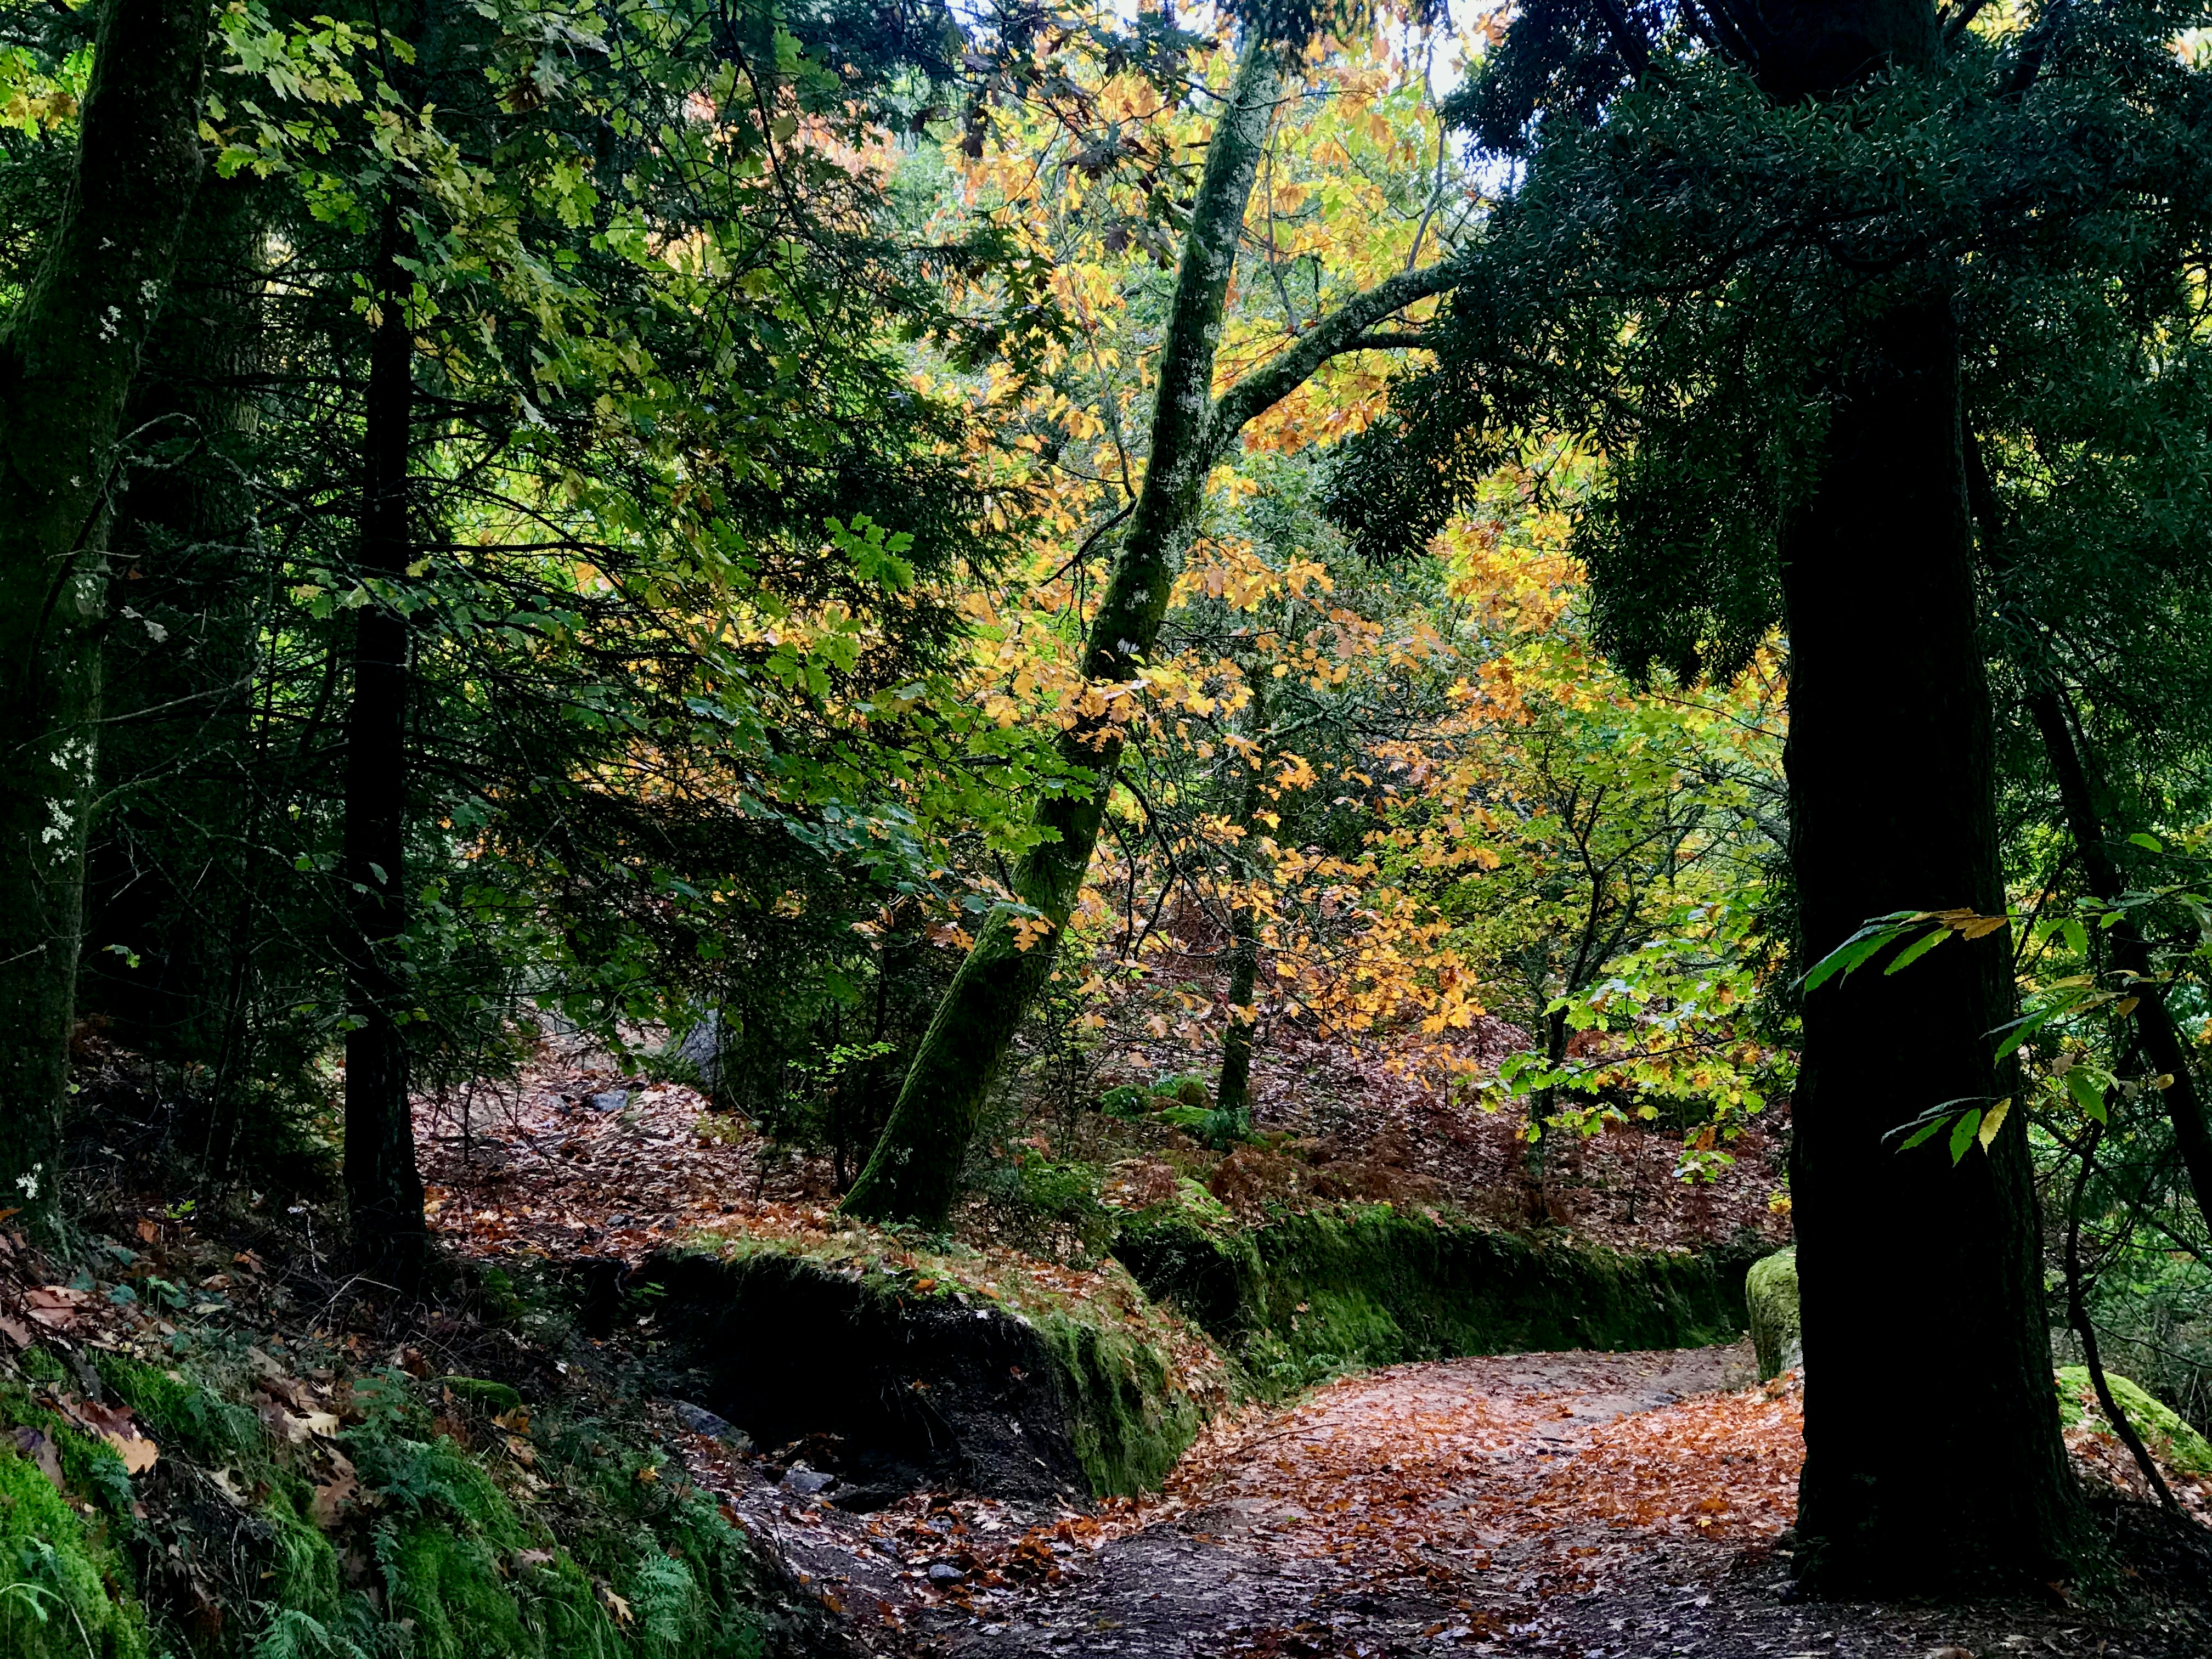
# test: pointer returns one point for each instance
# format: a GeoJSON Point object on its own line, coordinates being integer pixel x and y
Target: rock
{"type": "Point", "coordinates": [701, 1050]}
{"type": "Point", "coordinates": [698, 1419]}
{"type": "Point", "coordinates": [1770, 1290]}
{"type": "Point", "coordinates": [609, 1100]}
{"type": "Point", "coordinates": [943, 1572]}
{"type": "Point", "coordinates": [2161, 1427]}
{"type": "Point", "coordinates": [805, 1481]}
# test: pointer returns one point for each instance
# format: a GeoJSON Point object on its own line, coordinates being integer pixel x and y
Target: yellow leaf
{"type": "Point", "coordinates": [1992, 1120]}
{"type": "Point", "coordinates": [1982, 925]}
{"type": "Point", "coordinates": [2127, 1005]}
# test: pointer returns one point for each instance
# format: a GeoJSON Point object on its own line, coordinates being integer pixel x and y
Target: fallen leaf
{"type": "Point", "coordinates": [332, 1500]}
{"type": "Point", "coordinates": [40, 1450]}
{"type": "Point", "coordinates": [616, 1605]}
{"type": "Point", "coordinates": [17, 1332]}
{"type": "Point", "coordinates": [138, 1454]}
{"type": "Point", "coordinates": [224, 1482]}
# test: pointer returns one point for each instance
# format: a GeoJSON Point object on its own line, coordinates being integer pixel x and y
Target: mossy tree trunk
{"type": "Point", "coordinates": [1892, 781]}
{"type": "Point", "coordinates": [914, 1173]}
{"type": "Point", "coordinates": [916, 1167]}
{"type": "Point", "coordinates": [384, 1188]}
{"type": "Point", "coordinates": [66, 364]}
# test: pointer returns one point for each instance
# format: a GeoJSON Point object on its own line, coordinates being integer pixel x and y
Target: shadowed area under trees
{"type": "Point", "coordinates": [850, 829]}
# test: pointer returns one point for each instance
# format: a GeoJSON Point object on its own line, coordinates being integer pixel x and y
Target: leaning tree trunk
{"type": "Point", "coordinates": [915, 1171]}
{"type": "Point", "coordinates": [2053, 713]}
{"type": "Point", "coordinates": [2162, 1044]}
{"type": "Point", "coordinates": [384, 1189]}
{"type": "Point", "coordinates": [66, 363]}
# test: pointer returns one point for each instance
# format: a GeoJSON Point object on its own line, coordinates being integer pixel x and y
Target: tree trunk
{"type": "Point", "coordinates": [66, 364]}
{"type": "Point", "coordinates": [1893, 800]}
{"type": "Point", "coordinates": [1232, 1092]}
{"type": "Point", "coordinates": [915, 1171]}
{"type": "Point", "coordinates": [384, 1190]}
{"type": "Point", "coordinates": [168, 866]}
{"type": "Point", "coordinates": [1901, 1257]}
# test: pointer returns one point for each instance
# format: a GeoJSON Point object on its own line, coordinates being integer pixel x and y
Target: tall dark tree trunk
{"type": "Point", "coordinates": [1892, 802]}
{"type": "Point", "coordinates": [384, 1189]}
{"type": "Point", "coordinates": [66, 363]}
{"type": "Point", "coordinates": [1892, 805]}
{"type": "Point", "coordinates": [914, 1169]}
{"type": "Point", "coordinates": [168, 869]}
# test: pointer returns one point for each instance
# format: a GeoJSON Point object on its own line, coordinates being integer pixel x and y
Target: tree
{"type": "Point", "coordinates": [1742, 259]}
{"type": "Point", "coordinates": [66, 365]}
{"type": "Point", "coordinates": [914, 1172]}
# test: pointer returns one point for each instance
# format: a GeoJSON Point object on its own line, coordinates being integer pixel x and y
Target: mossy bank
{"type": "Point", "coordinates": [1311, 1294]}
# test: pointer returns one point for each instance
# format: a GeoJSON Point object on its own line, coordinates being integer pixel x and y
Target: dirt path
{"type": "Point", "coordinates": [1602, 1506]}
{"type": "Point", "coordinates": [1605, 1506]}
{"type": "Point", "coordinates": [1422, 1509]}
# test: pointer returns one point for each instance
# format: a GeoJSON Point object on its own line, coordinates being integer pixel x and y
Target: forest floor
{"type": "Point", "coordinates": [1605, 1506]}
{"type": "Point", "coordinates": [1601, 1506]}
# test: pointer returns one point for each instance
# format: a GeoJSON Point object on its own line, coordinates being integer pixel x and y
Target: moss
{"type": "Point", "coordinates": [183, 1415]}
{"type": "Point", "coordinates": [304, 1568]}
{"type": "Point", "coordinates": [1771, 1295]}
{"type": "Point", "coordinates": [56, 1575]}
{"type": "Point", "coordinates": [1207, 1271]}
{"type": "Point", "coordinates": [1310, 1295]}
{"type": "Point", "coordinates": [484, 1393]}
{"type": "Point", "coordinates": [1125, 1417]}
{"type": "Point", "coordinates": [2160, 1427]}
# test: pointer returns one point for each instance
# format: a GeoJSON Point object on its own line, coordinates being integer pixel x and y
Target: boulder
{"type": "Point", "coordinates": [1769, 1290]}
{"type": "Point", "coordinates": [2162, 1429]}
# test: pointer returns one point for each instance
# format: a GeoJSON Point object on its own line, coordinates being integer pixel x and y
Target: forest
{"type": "Point", "coordinates": [860, 827]}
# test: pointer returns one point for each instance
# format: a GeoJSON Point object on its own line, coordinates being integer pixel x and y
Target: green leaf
{"type": "Point", "coordinates": [1927, 1132]}
{"type": "Point", "coordinates": [1962, 1136]}
{"type": "Point", "coordinates": [2151, 842]}
{"type": "Point", "coordinates": [2077, 937]}
{"type": "Point", "coordinates": [2087, 1095]}
{"type": "Point", "coordinates": [1919, 948]}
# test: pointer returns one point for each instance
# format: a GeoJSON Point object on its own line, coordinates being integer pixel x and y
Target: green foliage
{"type": "Point", "coordinates": [55, 1570]}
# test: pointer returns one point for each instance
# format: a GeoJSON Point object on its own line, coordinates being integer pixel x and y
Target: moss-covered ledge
{"type": "Point", "coordinates": [1310, 1294]}
{"type": "Point", "coordinates": [926, 1377]}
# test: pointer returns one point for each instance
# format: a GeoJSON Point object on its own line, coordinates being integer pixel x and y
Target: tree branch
{"type": "Point", "coordinates": [1346, 328]}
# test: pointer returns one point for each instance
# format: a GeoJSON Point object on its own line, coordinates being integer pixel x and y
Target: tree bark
{"type": "Point", "coordinates": [1232, 1091]}
{"type": "Point", "coordinates": [915, 1171]}
{"type": "Point", "coordinates": [384, 1189]}
{"type": "Point", "coordinates": [168, 866]}
{"type": "Point", "coordinates": [66, 364]}
{"type": "Point", "coordinates": [1892, 780]}
{"type": "Point", "coordinates": [1892, 796]}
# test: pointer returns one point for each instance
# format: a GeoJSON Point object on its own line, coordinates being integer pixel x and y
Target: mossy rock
{"type": "Point", "coordinates": [483, 1393]}
{"type": "Point", "coordinates": [1371, 1285]}
{"type": "Point", "coordinates": [1770, 1293]}
{"type": "Point", "coordinates": [2162, 1428]}
{"type": "Point", "coordinates": [938, 1388]}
